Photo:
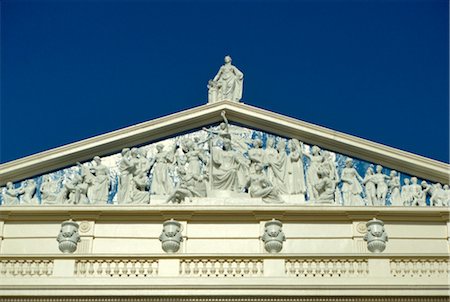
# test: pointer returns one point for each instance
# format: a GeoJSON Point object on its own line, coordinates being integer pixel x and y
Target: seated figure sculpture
{"type": "Point", "coordinates": [260, 186]}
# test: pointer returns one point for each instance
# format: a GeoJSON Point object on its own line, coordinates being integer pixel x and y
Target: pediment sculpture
{"type": "Point", "coordinates": [226, 164]}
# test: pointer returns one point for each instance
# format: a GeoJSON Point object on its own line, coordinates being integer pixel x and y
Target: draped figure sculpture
{"type": "Point", "coordinates": [312, 175]}
{"type": "Point", "coordinates": [29, 192]}
{"type": "Point", "coordinates": [225, 166]}
{"type": "Point", "coordinates": [98, 191]}
{"type": "Point", "coordinates": [227, 84]}
{"type": "Point", "coordinates": [295, 175]}
{"type": "Point", "coordinates": [394, 189]}
{"type": "Point", "coordinates": [351, 185]}
{"type": "Point", "coordinates": [162, 184]}
{"type": "Point", "coordinates": [259, 185]}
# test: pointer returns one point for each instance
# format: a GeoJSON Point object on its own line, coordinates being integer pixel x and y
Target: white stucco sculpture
{"type": "Point", "coordinates": [29, 192]}
{"type": "Point", "coordinates": [351, 185]}
{"type": "Point", "coordinates": [382, 188]}
{"type": "Point", "coordinates": [68, 237]}
{"type": "Point", "coordinates": [394, 189]}
{"type": "Point", "coordinates": [186, 188]}
{"type": "Point", "coordinates": [325, 186]}
{"type": "Point", "coordinates": [312, 176]}
{"type": "Point", "coordinates": [273, 236]}
{"type": "Point", "coordinates": [227, 84]}
{"type": "Point", "coordinates": [295, 178]}
{"type": "Point", "coordinates": [126, 168]}
{"type": "Point", "coordinates": [406, 193]}
{"type": "Point", "coordinates": [49, 190]}
{"type": "Point", "coordinates": [376, 236]}
{"type": "Point", "coordinates": [99, 187]}
{"type": "Point", "coordinates": [171, 236]}
{"type": "Point", "coordinates": [259, 186]}
{"type": "Point", "coordinates": [370, 187]}
{"type": "Point", "coordinates": [162, 184]}
{"type": "Point", "coordinates": [11, 194]}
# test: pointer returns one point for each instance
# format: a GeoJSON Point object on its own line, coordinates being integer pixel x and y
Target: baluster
{"type": "Point", "coordinates": [196, 270]}
{"type": "Point", "coordinates": [260, 266]}
{"type": "Point", "coordinates": [141, 268]}
{"type": "Point", "coordinates": [237, 265]}
{"type": "Point", "coordinates": [3, 264]}
{"type": "Point", "coordinates": [116, 267]}
{"type": "Point", "coordinates": [187, 267]}
{"type": "Point", "coordinates": [108, 268]}
{"type": "Point", "coordinates": [49, 267]}
{"type": "Point", "coordinates": [33, 267]}
{"type": "Point", "coordinates": [246, 268]}
{"type": "Point", "coordinates": [83, 267]}
{"type": "Point", "coordinates": [91, 269]}
{"type": "Point", "coordinates": [203, 267]}
{"type": "Point", "coordinates": [100, 267]}
{"type": "Point", "coordinates": [221, 269]}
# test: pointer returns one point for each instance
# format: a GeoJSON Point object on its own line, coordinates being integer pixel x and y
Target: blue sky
{"type": "Point", "coordinates": [75, 69]}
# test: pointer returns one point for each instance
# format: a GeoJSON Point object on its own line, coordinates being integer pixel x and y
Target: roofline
{"type": "Point", "coordinates": [203, 115]}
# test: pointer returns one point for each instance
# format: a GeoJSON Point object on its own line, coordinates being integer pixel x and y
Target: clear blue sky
{"type": "Point", "coordinates": [75, 69]}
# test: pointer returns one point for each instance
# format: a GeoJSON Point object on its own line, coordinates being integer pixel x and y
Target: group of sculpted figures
{"type": "Point", "coordinates": [229, 165]}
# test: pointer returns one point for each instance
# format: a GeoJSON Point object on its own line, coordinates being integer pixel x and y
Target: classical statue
{"type": "Point", "coordinates": [29, 192]}
{"type": "Point", "coordinates": [406, 192]}
{"type": "Point", "coordinates": [49, 190]}
{"type": "Point", "coordinates": [394, 189]}
{"type": "Point", "coordinates": [330, 164]}
{"type": "Point", "coordinates": [76, 190]}
{"type": "Point", "coordinates": [416, 193]}
{"type": "Point", "coordinates": [126, 170]}
{"type": "Point", "coordinates": [351, 185]}
{"type": "Point", "coordinates": [255, 154]}
{"type": "Point", "coordinates": [312, 178]}
{"type": "Point", "coordinates": [99, 188]}
{"type": "Point", "coordinates": [438, 196]}
{"type": "Point", "coordinates": [162, 184]}
{"type": "Point", "coordinates": [227, 84]}
{"type": "Point", "coordinates": [139, 193]}
{"type": "Point", "coordinates": [446, 189]}
{"type": "Point", "coordinates": [325, 187]}
{"type": "Point", "coordinates": [382, 188]}
{"type": "Point", "coordinates": [225, 168]}
{"type": "Point", "coordinates": [295, 181]}
{"type": "Point", "coordinates": [186, 188]}
{"type": "Point", "coordinates": [259, 185]}
{"type": "Point", "coordinates": [11, 194]}
{"type": "Point", "coordinates": [370, 186]}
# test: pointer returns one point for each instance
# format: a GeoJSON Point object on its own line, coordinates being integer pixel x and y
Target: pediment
{"type": "Point", "coordinates": [247, 122]}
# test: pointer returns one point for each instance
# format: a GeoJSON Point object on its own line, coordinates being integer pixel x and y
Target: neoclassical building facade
{"type": "Point", "coordinates": [224, 202]}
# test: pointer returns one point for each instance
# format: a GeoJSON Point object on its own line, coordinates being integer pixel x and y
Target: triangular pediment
{"type": "Point", "coordinates": [59, 166]}
{"type": "Point", "coordinates": [202, 116]}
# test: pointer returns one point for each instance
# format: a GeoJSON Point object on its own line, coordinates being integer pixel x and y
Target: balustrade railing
{"type": "Point", "coordinates": [304, 266]}
{"type": "Point", "coordinates": [419, 267]}
{"type": "Point", "coordinates": [26, 267]}
{"type": "Point", "coordinates": [234, 267]}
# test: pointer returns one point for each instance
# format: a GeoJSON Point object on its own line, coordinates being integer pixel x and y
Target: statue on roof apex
{"type": "Point", "coordinates": [227, 84]}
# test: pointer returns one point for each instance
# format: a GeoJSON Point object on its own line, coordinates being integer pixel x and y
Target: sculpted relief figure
{"type": "Point", "coordinates": [275, 161]}
{"type": "Point", "coordinates": [126, 168]}
{"type": "Point", "coordinates": [382, 188]}
{"type": "Point", "coordinates": [406, 193]}
{"type": "Point", "coordinates": [394, 189]}
{"type": "Point", "coordinates": [312, 175]}
{"type": "Point", "coordinates": [295, 176]}
{"type": "Point", "coordinates": [260, 186]}
{"type": "Point", "coordinates": [326, 186]}
{"type": "Point", "coordinates": [351, 185]}
{"type": "Point", "coordinates": [162, 184]}
{"type": "Point", "coordinates": [99, 188]}
{"type": "Point", "coordinates": [227, 84]}
{"type": "Point", "coordinates": [11, 194]}
{"type": "Point", "coordinates": [29, 192]}
{"type": "Point", "coordinates": [49, 190]}
{"type": "Point", "coordinates": [370, 186]}
{"type": "Point", "coordinates": [225, 168]}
